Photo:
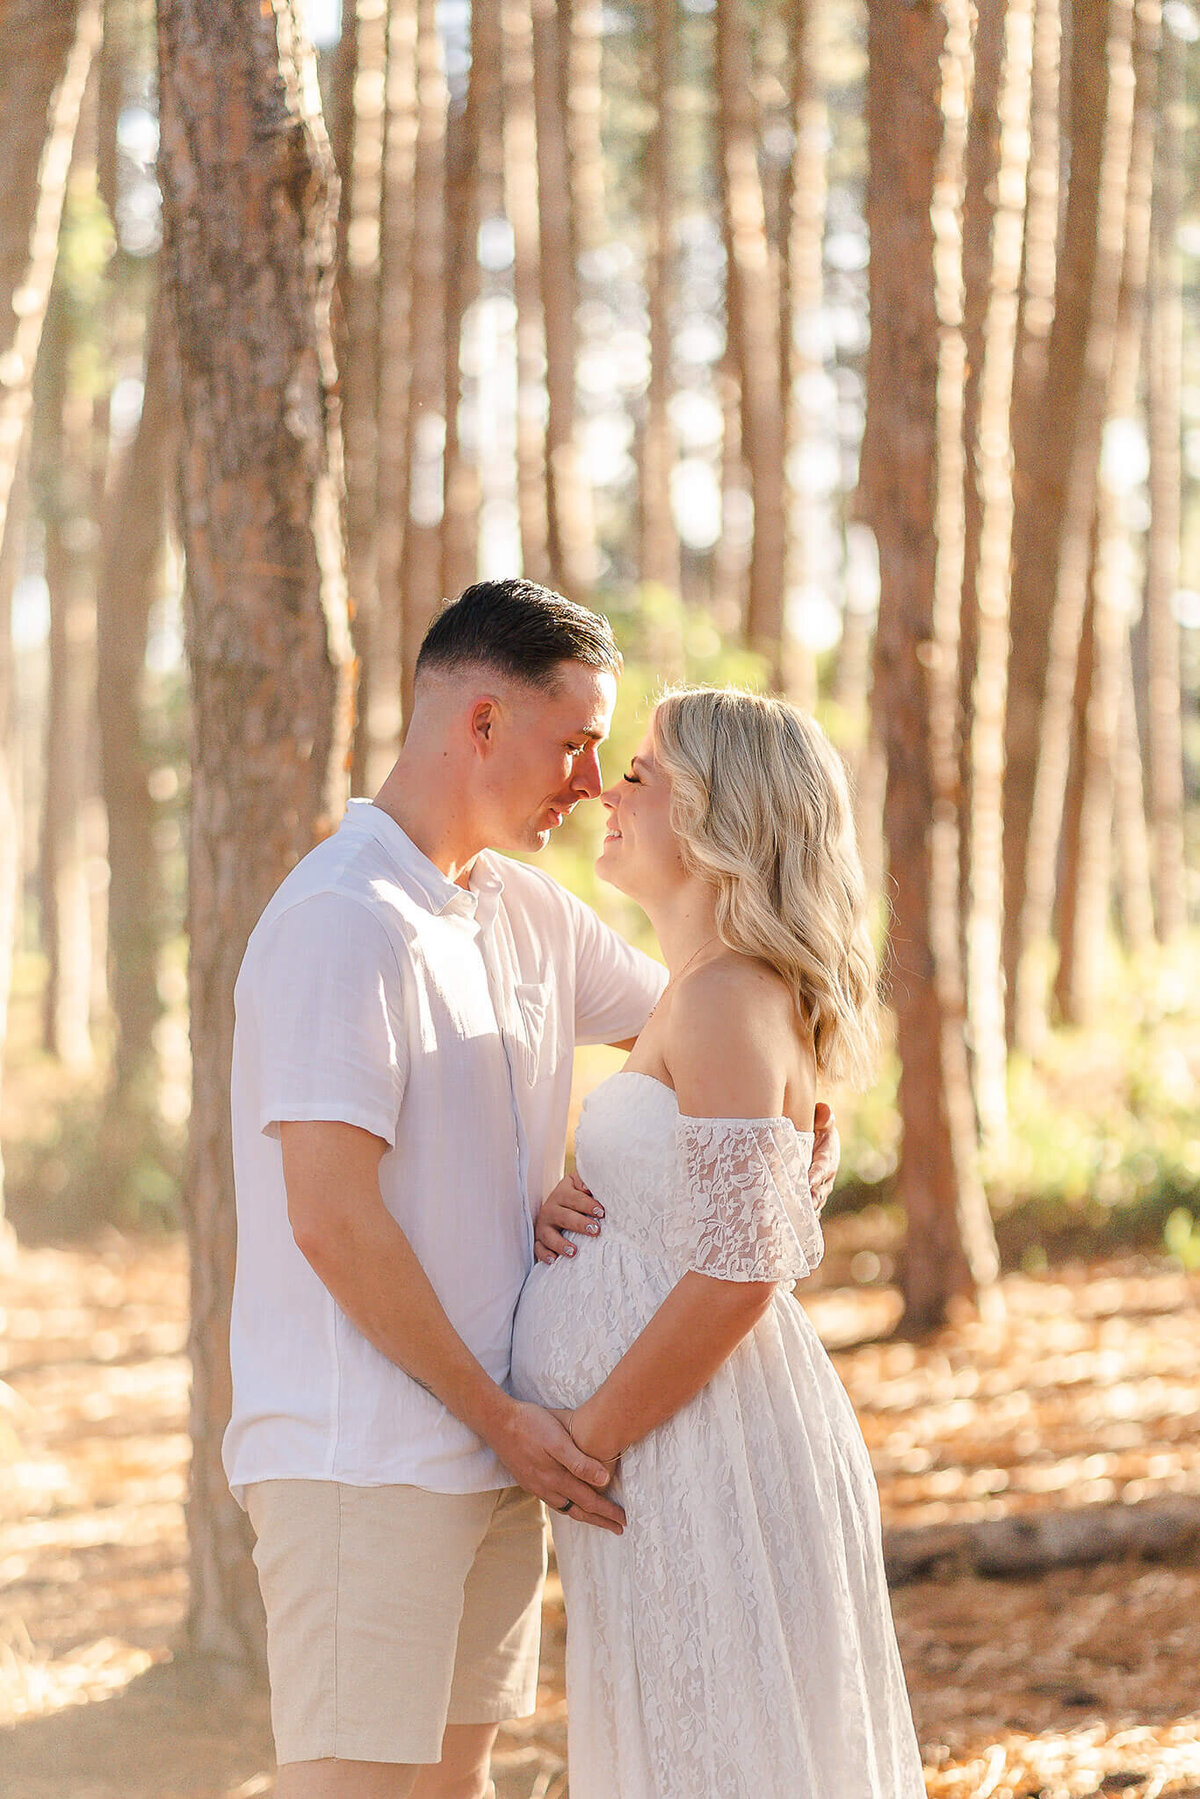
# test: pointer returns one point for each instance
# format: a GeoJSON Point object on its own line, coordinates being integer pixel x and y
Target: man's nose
{"type": "Point", "coordinates": [587, 779]}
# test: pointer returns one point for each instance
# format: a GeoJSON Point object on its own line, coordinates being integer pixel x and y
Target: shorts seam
{"type": "Point", "coordinates": [337, 1620]}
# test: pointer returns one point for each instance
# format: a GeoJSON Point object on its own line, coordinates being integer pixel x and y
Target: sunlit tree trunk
{"type": "Point", "coordinates": [363, 54]}
{"type": "Point", "coordinates": [801, 332]}
{"type": "Point", "coordinates": [131, 550]}
{"type": "Point", "coordinates": [581, 26]}
{"type": "Point", "coordinates": [1035, 307]}
{"type": "Point", "coordinates": [62, 457]}
{"type": "Point", "coordinates": [420, 562]}
{"type": "Point", "coordinates": [1057, 498]}
{"type": "Point", "coordinates": [568, 512]}
{"type": "Point", "coordinates": [1131, 839]}
{"type": "Point", "coordinates": [267, 628]}
{"type": "Point", "coordinates": [521, 206]}
{"type": "Point", "coordinates": [991, 336]}
{"type": "Point", "coordinates": [914, 105]}
{"type": "Point", "coordinates": [752, 319]}
{"type": "Point", "coordinates": [12, 543]}
{"type": "Point", "coordinates": [473, 183]}
{"type": "Point", "coordinates": [47, 52]}
{"type": "Point", "coordinates": [658, 545]}
{"type": "Point", "coordinates": [1164, 382]}
{"type": "Point", "coordinates": [380, 706]}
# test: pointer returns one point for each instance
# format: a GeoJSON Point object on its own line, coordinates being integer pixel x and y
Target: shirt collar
{"type": "Point", "coordinates": [421, 876]}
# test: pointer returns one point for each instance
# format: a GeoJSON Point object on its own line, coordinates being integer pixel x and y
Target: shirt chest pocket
{"type": "Point", "coordinates": [537, 1040]}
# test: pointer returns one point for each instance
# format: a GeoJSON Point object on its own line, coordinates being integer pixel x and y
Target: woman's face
{"type": "Point", "coordinates": [640, 853]}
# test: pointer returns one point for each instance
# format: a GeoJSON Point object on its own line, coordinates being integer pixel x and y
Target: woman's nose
{"type": "Point", "coordinates": [608, 799]}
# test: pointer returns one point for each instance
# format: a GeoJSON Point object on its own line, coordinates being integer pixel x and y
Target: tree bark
{"type": "Point", "coordinates": [568, 527]}
{"type": "Point", "coordinates": [1039, 255]}
{"type": "Point", "coordinates": [63, 444]}
{"type": "Point", "coordinates": [1053, 523]}
{"type": "Point", "coordinates": [249, 211]}
{"type": "Point", "coordinates": [420, 562]}
{"type": "Point", "coordinates": [752, 321]}
{"type": "Point", "coordinates": [950, 1250]}
{"type": "Point", "coordinates": [1164, 382]}
{"type": "Point", "coordinates": [521, 206]}
{"type": "Point", "coordinates": [50, 49]}
{"type": "Point", "coordinates": [380, 704]}
{"type": "Point", "coordinates": [658, 540]}
{"type": "Point", "coordinates": [1000, 167]}
{"type": "Point", "coordinates": [364, 58]}
{"type": "Point", "coordinates": [131, 552]}
{"type": "Point", "coordinates": [12, 544]}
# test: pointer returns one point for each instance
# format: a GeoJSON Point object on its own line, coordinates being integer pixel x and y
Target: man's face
{"type": "Point", "coordinates": [544, 755]}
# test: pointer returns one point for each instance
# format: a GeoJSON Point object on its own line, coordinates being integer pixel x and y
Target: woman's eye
{"type": "Point", "coordinates": [632, 779]}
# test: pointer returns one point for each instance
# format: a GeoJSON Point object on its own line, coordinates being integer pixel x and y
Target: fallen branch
{"type": "Point", "coordinates": [1030, 1543]}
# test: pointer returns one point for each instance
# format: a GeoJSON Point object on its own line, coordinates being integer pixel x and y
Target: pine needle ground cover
{"type": "Point", "coordinates": [1076, 1682]}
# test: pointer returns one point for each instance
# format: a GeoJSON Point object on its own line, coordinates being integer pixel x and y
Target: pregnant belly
{"type": "Point", "coordinates": [578, 1316]}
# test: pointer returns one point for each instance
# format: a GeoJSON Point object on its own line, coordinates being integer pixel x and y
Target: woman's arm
{"type": "Point", "coordinates": [723, 1056]}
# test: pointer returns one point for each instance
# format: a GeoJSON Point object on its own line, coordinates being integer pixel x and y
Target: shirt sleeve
{"type": "Point", "coordinates": [330, 1034]}
{"type": "Point", "coordinates": [746, 1211]}
{"type": "Point", "coordinates": [616, 986]}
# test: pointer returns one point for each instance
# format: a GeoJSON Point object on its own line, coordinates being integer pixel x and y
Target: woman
{"type": "Point", "coordinates": [736, 1642]}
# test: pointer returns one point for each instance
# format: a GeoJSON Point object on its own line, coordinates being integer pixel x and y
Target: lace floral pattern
{"type": "Point", "coordinates": [746, 1211]}
{"type": "Point", "coordinates": [737, 1641]}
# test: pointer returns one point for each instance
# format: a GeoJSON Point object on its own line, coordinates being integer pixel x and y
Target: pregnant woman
{"type": "Point", "coordinates": [736, 1642]}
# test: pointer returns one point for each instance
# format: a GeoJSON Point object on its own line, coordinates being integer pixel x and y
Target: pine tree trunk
{"type": "Point", "coordinates": [1057, 499]}
{"type": "Point", "coordinates": [62, 453]}
{"type": "Point", "coordinates": [50, 50]}
{"type": "Point", "coordinates": [364, 58]}
{"type": "Point", "coordinates": [949, 1249]}
{"type": "Point", "coordinates": [380, 704]}
{"type": "Point", "coordinates": [12, 544]}
{"type": "Point", "coordinates": [1131, 839]}
{"type": "Point", "coordinates": [267, 628]}
{"type": "Point", "coordinates": [658, 546]}
{"type": "Point", "coordinates": [521, 206]}
{"type": "Point", "coordinates": [752, 315]}
{"type": "Point", "coordinates": [801, 337]}
{"type": "Point", "coordinates": [131, 552]}
{"type": "Point", "coordinates": [1164, 381]}
{"type": "Point", "coordinates": [991, 337]}
{"type": "Point", "coordinates": [1039, 257]}
{"type": "Point", "coordinates": [420, 562]}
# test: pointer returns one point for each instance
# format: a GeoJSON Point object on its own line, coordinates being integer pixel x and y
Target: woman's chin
{"type": "Point", "coordinates": [608, 865]}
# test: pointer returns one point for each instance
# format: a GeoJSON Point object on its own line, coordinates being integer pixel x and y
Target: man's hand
{"type": "Point", "coordinates": [827, 1153]}
{"type": "Point", "coordinates": [569, 1208]}
{"type": "Point", "coordinates": [538, 1452]}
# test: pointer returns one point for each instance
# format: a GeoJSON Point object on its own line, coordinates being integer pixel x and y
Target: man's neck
{"type": "Point", "coordinates": [420, 800]}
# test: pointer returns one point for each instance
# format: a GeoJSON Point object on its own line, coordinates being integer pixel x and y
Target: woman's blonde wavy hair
{"type": "Point", "coordinates": [761, 807]}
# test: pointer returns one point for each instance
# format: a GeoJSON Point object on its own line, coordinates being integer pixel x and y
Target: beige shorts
{"type": "Point", "coordinates": [392, 1612]}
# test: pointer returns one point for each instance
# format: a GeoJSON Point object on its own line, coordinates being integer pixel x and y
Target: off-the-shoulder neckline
{"type": "Point", "coordinates": [781, 1118]}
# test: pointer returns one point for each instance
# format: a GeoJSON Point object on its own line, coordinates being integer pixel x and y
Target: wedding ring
{"type": "Point", "coordinates": [565, 1508]}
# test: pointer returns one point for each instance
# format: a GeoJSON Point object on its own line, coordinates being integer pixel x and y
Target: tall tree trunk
{"type": "Point", "coordinates": [991, 337]}
{"type": "Point", "coordinates": [521, 206]}
{"type": "Point", "coordinates": [380, 704]}
{"type": "Point", "coordinates": [1039, 258]}
{"type": "Point", "coordinates": [420, 563]}
{"type": "Point", "coordinates": [1131, 839]}
{"type": "Point", "coordinates": [49, 50]}
{"type": "Point", "coordinates": [1164, 381]}
{"type": "Point", "coordinates": [658, 540]}
{"type": "Point", "coordinates": [364, 57]}
{"type": "Point", "coordinates": [12, 544]}
{"type": "Point", "coordinates": [581, 27]}
{"type": "Point", "coordinates": [950, 1250]}
{"type": "Point", "coordinates": [131, 552]}
{"type": "Point", "coordinates": [568, 526]}
{"type": "Point", "coordinates": [1053, 524]}
{"type": "Point", "coordinates": [752, 317]}
{"type": "Point", "coordinates": [63, 446]}
{"type": "Point", "coordinates": [267, 628]}
{"type": "Point", "coordinates": [801, 336]}
{"type": "Point", "coordinates": [473, 183]}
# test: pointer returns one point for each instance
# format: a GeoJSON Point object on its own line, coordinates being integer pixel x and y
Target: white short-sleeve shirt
{"type": "Point", "coordinates": [376, 992]}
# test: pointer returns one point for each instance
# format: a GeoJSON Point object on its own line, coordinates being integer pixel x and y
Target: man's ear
{"type": "Point", "coordinates": [482, 723]}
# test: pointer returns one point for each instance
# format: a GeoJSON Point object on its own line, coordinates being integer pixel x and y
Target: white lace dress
{"type": "Point", "coordinates": [737, 1641]}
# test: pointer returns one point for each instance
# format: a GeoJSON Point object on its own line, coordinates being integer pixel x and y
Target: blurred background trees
{"type": "Point", "coordinates": [848, 350]}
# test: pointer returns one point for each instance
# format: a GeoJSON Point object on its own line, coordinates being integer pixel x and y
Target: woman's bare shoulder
{"type": "Point", "coordinates": [729, 1039]}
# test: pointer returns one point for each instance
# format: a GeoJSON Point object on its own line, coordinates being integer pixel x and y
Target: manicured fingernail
{"type": "Point", "coordinates": [597, 1211]}
{"type": "Point", "coordinates": [593, 1229]}
{"type": "Point", "coordinates": [570, 1249]}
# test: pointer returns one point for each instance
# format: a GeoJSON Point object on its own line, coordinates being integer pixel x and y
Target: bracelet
{"type": "Point", "coordinates": [607, 1463]}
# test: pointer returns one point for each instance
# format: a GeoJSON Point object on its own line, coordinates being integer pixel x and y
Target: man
{"type": "Point", "coordinates": [407, 1011]}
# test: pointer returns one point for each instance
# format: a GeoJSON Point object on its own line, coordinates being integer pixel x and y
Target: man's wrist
{"type": "Point", "coordinates": [489, 1410]}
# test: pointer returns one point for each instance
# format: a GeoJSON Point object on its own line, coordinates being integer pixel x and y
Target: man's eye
{"type": "Point", "coordinates": [575, 749]}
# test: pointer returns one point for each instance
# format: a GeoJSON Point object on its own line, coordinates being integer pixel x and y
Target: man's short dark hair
{"type": "Point", "coordinates": [520, 629]}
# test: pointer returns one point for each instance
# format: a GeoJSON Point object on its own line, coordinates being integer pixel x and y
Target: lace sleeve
{"type": "Point", "coordinates": [746, 1211]}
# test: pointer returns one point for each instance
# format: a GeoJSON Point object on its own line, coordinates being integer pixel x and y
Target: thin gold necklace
{"type": "Point", "coordinates": [671, 979]}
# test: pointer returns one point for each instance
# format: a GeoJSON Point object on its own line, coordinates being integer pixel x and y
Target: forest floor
{"type": "Point", "coordinates": [1082, 1681]}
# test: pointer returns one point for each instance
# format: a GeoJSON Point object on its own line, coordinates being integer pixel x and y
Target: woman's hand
{"type": "Point", "coordinates": [827, 1152]}
{"type": "Point", "coordinates": [573, 1421]}
{"type": "Point", "coordinates": [569, 1208]}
